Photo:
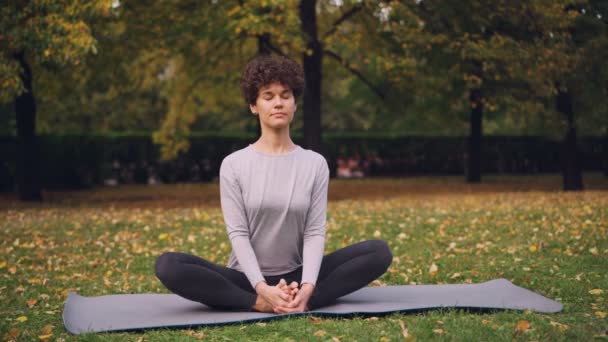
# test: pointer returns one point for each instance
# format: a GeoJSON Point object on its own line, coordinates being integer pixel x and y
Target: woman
{"type": "Point", "coordinates": [274, 202]}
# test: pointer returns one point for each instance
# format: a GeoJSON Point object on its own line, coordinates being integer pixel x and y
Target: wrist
{"type": "Point", "coordinates": [260, 286]}
{"type": "Point", "coordinates": [308, 286]}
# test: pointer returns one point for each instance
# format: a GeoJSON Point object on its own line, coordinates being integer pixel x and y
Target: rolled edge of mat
{"type": "Point", "coordinates": [549, 306]}
{"type": "Point", "coordinates": [67, 311]}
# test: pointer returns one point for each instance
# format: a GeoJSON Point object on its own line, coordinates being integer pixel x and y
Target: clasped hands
{"type": "Point", "coordinates": [283, 298]}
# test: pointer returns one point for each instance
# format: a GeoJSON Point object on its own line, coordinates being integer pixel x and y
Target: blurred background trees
{"type": "Point", "coordinates": [430, 67]}
{"type": "Point", "coordinates": [34, 35]}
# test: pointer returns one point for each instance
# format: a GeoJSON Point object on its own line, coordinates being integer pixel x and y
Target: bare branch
{"type": "Point", "coordinates": [355, 72]}
{"type": "Point", "coordinates": [267, 42]}
{"type": "Point", "coordinates": [343, 18]}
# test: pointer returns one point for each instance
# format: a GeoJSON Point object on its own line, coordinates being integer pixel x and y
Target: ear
{"type": "Point", "coordinates": [253, 109]}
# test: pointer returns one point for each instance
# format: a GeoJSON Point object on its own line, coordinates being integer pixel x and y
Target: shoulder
{"type": "Point", "coordinates": [233, 159]}
{"type": "Point", "coordinates": [316, 159]}
{"type": "Point", "coordinates": [313, 156]}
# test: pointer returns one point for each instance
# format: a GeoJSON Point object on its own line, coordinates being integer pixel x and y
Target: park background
{"type": "Point", "coordinates": [465, 122]}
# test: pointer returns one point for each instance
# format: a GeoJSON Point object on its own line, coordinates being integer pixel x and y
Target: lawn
{"type": "Point", "coordinates": [440, 230]}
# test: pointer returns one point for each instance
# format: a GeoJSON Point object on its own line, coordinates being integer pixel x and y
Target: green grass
{"type": "Point", "coordinates": [105, 241]}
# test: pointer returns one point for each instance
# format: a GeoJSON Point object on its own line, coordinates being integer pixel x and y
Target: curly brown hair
{"type": "Point", "coordinates": [266, 69]}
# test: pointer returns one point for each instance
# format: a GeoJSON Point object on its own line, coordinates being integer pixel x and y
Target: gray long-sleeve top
{"type": "Point", "coordinates": [275, 208]}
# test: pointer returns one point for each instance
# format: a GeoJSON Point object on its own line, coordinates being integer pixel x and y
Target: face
{"type": "Point", "coordinates": [275, 105]}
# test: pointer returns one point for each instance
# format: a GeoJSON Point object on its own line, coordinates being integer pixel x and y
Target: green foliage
{"type": "Point", "coordinates": [54, 33]}
{"type": "Point", "coordinates": [388, 65]}
{"type": "Point", "coordinates": [10, 83]}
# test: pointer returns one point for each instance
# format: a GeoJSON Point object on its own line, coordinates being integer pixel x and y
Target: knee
{"type": "Point", "coordinates": [165, 263]}
{"type": "Point", "coordinates": [382, 252]}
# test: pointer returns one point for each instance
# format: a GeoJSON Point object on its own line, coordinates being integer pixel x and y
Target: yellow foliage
{"type": "Point", "coordinates": [55, 31]}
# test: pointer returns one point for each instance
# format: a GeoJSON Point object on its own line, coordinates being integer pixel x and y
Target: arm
{"type": "Point", "coordinates": [314, 232]}
{"type": "Point", "coordinates": [233, 210]}
{"type": "Point", "coordinates": [314, 242]}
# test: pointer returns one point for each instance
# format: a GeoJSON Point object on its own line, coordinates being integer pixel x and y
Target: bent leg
{"type": "Point", "coordinates": [349, 269]}
{"type": "Point", "coordinates": [202, 281]}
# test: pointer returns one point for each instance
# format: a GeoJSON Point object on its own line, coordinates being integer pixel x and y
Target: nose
{"type": "Point", "coordinates": [278, 103]}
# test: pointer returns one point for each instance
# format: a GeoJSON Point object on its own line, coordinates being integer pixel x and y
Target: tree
{"type": "Point", "coordinates": [490, 51]}
{"type": "Point", "coordinates": [312, 59]}
{"type": "Point", "coordinates": [52, 34]}
{"type": "Point", "coordinates": [582, 79]}
{"type": "Point", "coordinates": [284, 27]}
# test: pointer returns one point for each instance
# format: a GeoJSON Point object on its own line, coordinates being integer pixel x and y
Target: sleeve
{"type": "Point", "coordinates": [235, 218]}
{"type": "Point", "coordinates": [314, 231]}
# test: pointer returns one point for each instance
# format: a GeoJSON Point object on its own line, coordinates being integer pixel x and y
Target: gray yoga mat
{"type": "Point", "coordinates": [146, 311]}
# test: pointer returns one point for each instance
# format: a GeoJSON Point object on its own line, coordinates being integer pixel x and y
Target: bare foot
{"type": "Point", "coordinates": [261, 305]}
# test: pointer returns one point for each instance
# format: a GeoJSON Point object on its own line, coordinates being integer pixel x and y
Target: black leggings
{"type": "Point", "coordinates": [342, 272]}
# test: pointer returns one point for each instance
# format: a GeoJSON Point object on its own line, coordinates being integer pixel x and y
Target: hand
{"type": "Point", "coordinates": [272, 294]}
{"type": "Point", "coordinates": [300, 301]}
{"type": "Point", "coordinates": [291, 289]}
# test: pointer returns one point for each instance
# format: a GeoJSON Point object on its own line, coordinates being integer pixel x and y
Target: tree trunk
{"type": "Point", "coordinates": [606, 153]}
{"type": "Point", "coordinates": [571, 164]}
{"type": "Point", "coordinates": [312, 59]}
{"type": "Point", "coordinates": [28, 154]}
{"type": "Point", "coordinates": [264, 44]}
{"type": "Point", "coordinates": [473, 174]}
{"type": "Point", "coordinates": [263, 49]}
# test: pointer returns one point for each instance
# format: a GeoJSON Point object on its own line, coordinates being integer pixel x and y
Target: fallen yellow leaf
{"type": "Point", "coordinates": [319, 333]}
{"type": "Point", "coordinates": [21, 319]}
{"type": "Point", "coordinates": [31, 303]}
{"type": "Point", "coordinates": [46, 332]}
{"type": "Point", "coordinates": [163, 236]}
{"type": "Point", "coordinates": [433, 269]}
{"type": "Point", "coordinates": [47, 329]}
{"type": "Point", "coordinates": [522, 325]}
{"type": "Point", "coordinates": [196, 335]}
{"type": "Point", "coordinates": [596, 291]}
{"type": "Point", "coordinates": [12, 334]}
{"type": "Point", "coordinates": [559, 326]}
{"type": "Point", "coordinates": [404, 330]}
{"type": "Point", "coordinates": [34, 281]}
{"type": "Point", "coordinates": [45, 337]}
{"type": "Point", "coordinates": [601, 314]}
{"type": "Point", "coordinates": [315, 320]}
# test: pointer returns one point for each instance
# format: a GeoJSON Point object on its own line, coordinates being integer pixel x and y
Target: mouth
{"type": "Point", "coordinates": [275, 114]}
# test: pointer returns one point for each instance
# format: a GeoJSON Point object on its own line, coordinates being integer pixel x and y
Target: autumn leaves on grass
{"type": "Point", "coordinates": [555, 243]}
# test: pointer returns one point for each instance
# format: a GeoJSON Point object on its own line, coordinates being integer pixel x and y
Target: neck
{"type": "Point", "coordinates": [275, 141]}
